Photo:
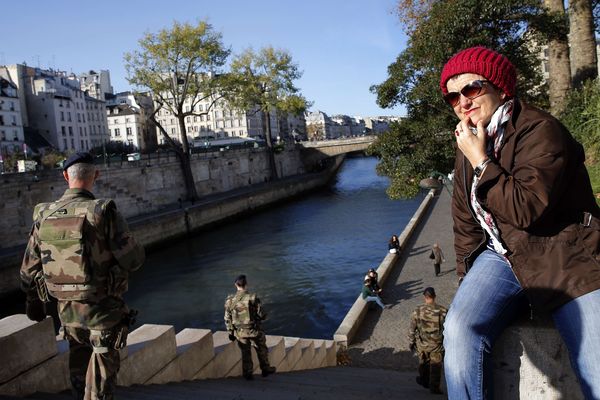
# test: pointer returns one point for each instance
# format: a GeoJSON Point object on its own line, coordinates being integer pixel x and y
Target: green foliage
{"type": "Point", "coordinates": [51, 159]}
{"type": "Point", "coordinates": [582, 117]}
{"type": "Point", "coordinates": [408, 154]}
{"type": "Point", "coordinates": [264, 80]}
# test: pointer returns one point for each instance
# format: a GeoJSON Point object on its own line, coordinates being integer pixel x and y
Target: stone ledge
{"type": "Point", "coordinates": [351, 322]}
{"type": "Point", "coordinates": [531, 361]}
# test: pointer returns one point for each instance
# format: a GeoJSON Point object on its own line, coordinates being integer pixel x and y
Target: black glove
{"type": "Point", "coordinates": [35, 310]}
{"type": "Point", "coordinates": [232, 337]}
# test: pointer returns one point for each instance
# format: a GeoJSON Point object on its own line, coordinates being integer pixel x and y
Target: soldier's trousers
{"type": "Point", "coordinates": [430, 368]}
{"type": "Point", "coordinates": [93, 362]}
{"type": "Point", "coordinates": [260, 345]}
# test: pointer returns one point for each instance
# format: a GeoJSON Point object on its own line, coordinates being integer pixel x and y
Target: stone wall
{"type": "Point", "coordinates": [139, 187]}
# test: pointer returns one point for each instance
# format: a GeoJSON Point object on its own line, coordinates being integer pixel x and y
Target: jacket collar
{"type": "Point", "coordinates": [73, 193]}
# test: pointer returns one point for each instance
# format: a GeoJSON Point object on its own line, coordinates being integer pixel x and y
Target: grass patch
{"type": "Point", "coordinates": [594, 172]}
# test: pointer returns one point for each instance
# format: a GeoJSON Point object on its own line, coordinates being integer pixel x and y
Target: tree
{"type": "Point", "coordinates": [584, 62]}
{"type": "Point", "coordinates": [559, 66]}
{"type": "Point", "coordinates": [413, 79]}
{"type": "Point", "coordinates": [263, 82]}
{"type": "Point", "coordinates": [180, 66]}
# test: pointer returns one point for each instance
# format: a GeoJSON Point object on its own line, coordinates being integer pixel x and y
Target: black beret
{"type": "Point", "coordinates": [429, 292]}
{"type": "Point", "coordinates": [241, 280]}
{"type": "Point", "coordinates": [79, 157]}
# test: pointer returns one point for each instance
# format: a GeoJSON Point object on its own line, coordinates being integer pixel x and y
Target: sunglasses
{"type": "Point", "coordinates": [470, 91]}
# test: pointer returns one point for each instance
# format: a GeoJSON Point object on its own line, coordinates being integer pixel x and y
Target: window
{"type": "Point", "coordinates": [1, 120]}
{"type": "Point", "coordinates": [195, 118]}
{"type": "Point", "coordinates": [69, 115]}
{"type": "Point", "coordinates": [82, 145]}
{"type": "Point", "coordinates": [216, 114]}
{"type": "Point", "coordinates": [126, 120]}
{"type": "Point", "coordinates": [65, 144]}
{"type": "Point", "coordinates": [188, 120]}
{"type": "Point", "coordinates": [78, 117]}
{"type": "Point", "coordinates": [208, 117]}
{"type": "Point", "coordinates": [12, 106]}
{"type": "Point", "coordinates": [70, 131]}
{"type": "Point", "coordinates": [63, 130]}
{"type": "Point", "coordinates": [117, 131]}
{"type": "Point", "coordinates": [62, 116]}
{"type": "Point", "coordinates": [128, 130]}
{"type": "Point", "coordinates": [80, 131]}
{"type": "Point", "coordinates": [172, 121]}
{"type": "Point", "coordinates": [72, 143]}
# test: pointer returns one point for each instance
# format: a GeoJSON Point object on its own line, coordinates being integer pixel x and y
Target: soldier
{"type": "Point", "coordinates": [81, 252]}
{"type": "Point", "coordinates": [426, 338]}
{"type": "Point", "coordinates": [243, 316]}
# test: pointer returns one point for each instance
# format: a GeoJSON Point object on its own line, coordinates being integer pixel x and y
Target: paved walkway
{"type": "Point", "coordinates": [381, 341]}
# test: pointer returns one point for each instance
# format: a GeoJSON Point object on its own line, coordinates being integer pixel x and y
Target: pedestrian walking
{"type": "Point", "coordinates": [438, 258]}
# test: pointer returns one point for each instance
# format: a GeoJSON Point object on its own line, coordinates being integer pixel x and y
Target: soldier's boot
{"type": "Point", "coordinates": [435, 375]}
{"type": "Point", "coordinates": [248, 376]}
{"type": "Point", "coordinates": [268, 371]}
{"type": "Point", "coordinates": [423, 378]}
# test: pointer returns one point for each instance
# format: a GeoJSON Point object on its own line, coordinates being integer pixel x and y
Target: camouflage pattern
{"type": "Point", "coordinates": [87, 274]}
{"type": "Point", "coordinates": [260, 346]}
{"type": "Point", "coordinates": [243, 316]}
{"type": "Point", "coordinates": [426, 335]}
{"type": "Point", "coordinates": [93, 374]}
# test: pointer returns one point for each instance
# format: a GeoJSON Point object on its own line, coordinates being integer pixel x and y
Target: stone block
{"type": "Point", "coordinates": [276, 348]}
{"type": "Point", "coordinates": [149, 349]}
{"type": "Point", "coordinates": [50, 376]}
{"type": "Point", "coordinates": [24, 344]}
{"type": "Point", "coordinates": [227, 355]}
{"type": "Point", "coordinates": [320, 354]}
{"type": "Point", "coordinates": [331, 357]}
{"type": "Point", "coordinates": [194, 350]}
{"type": "Point", "coordinates": [206, 372]}
{"type": "Point", "coordinates": [531, 361]}
{"type": "Point", "coordinates": [308, 353]}
{"type": "Point", "coordinates": [293, 352]}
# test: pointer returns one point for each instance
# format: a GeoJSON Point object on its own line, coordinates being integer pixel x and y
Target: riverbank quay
{"type": "Point", "coordinates": [177, 220]}
{"type": "Point", "coordinates": [530, 359]}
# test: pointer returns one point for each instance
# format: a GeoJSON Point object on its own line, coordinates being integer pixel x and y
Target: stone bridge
{"type": "Point", "coordinates": [314, 152]}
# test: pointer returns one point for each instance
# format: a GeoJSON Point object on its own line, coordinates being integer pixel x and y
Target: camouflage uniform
{"type": "Point", "coordinates": [243, 315]}
{"type": "Point", "coordinates": [80, 230]}
{"type": "Point", "coordinates": [426, 335]}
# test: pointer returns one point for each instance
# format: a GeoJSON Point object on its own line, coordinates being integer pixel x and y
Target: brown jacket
{"type": "Point", "coordinates": [538, 191]}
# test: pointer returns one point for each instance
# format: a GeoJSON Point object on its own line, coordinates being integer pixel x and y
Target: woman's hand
{"type": "Point", "coordinates": [472, 146]}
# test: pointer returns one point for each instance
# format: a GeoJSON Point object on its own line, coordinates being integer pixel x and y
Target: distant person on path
{"type": "Point", "coordinates": [394, 245]}
{"type": "Point", "coordinates": [243, 318]}
{"type": "Point", "coordinates": [81, 252]}
{"type": "Point", "coordinates": [526, 226]}
{"type": "Point", "coordinates": [426, 338]}
{"type": "Point", "coordinates": [437, 256]}
{"type": "Point", "coordinates": [369, 295]}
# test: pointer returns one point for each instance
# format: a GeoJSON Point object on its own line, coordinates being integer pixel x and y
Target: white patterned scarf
{"type": "Point", "coordinates": [495, 136]}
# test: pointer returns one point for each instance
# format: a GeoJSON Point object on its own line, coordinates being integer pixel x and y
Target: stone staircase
{"type": "Point", "coordinates": [35, 361]}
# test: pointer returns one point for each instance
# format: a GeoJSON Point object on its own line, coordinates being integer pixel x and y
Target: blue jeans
{"type": "Point", "coordinates": [376, 299]}
{"type": "Point", "coordinates": [488, 300]}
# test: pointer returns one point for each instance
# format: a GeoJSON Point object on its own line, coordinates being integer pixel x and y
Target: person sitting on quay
{"type": "Point", "coordinates": [370, 295]}
{"type": "Point", "coordinates": [394, 245]}
{"type": "Point", "coordinates": [374, 278]}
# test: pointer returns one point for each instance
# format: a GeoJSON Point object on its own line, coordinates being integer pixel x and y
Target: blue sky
{"type": "Point", "coordinates": [343, 46]}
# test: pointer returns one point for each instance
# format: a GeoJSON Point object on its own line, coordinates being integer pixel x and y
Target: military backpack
{"type": "Point", "coordinates": [64, 235]}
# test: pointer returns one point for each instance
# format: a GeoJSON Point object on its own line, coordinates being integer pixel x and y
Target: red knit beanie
{"type": "Point", "coordinates": [495, 67]}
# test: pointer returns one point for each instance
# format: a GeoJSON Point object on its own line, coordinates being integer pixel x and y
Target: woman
{"type": "Point", "coordinates": [526, 226]}
{"type": "Point", "coordinates": [394, 245]}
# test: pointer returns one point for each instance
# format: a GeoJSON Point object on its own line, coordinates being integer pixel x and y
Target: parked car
{"type": "Point", "coordinates": [134, 157]}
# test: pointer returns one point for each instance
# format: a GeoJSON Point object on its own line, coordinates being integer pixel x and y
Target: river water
{"type": "Point", "coordinates": [305, 259]}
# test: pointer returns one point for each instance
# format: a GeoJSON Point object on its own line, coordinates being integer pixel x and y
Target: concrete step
{"type": "Point", "coordinates": [228, 358]}
{"type": "Point", "coordinates": [195, 349]}
{"type": "Point", "coordinates": [320, 353]}
{"type": "Point", "coordinates": [43, 354]}
{"type": "Point", "coordinates": [331, 357]}
{"type": "Point", "coordinates": [308, 353]}
{"type": "Point", "coordinates": [149, 349]}
{"type": "Point", "coordinates": [293, 352]}
{"type": "Point", "coordinates": [276, 347]}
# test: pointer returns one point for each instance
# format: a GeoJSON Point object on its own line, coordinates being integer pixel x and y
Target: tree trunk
{"type": "Point", "coordinates": [559, 66]}
{"type": "Point", "coordinates": [584, 62]}
{"type": "Point", "coordinates": [186, 165]}
{"type": "Point", "coordinates": [270, 151]}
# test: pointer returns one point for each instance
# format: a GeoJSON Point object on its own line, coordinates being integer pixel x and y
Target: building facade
{"type": "Point", "coordinates": [96, 84]}
{"type": "Point", "coordinates": [11, 122]}
{"type": "Point", "coordinates": [54, 107]}
{"type": "Point", "coordinates": [129, 121]}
